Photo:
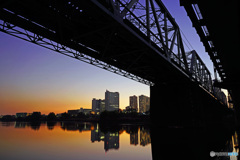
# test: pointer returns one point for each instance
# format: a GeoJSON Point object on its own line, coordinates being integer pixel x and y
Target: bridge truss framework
{"type": "Point", "coordinates": [148, 20]}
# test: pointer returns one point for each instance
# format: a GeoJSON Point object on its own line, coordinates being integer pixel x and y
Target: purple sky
{"type": "Point", "coordinates": [33, 78]}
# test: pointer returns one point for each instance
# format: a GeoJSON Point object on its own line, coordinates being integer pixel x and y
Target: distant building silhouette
{"type": "Point", "coordinates": [129, 109]}
{"type": "Point", "coordinates": [133, 102]}
{"type": "Point", "coordinates": [98, 105]}
{"type": "Point", "coordinates": [21, 115]}
{"type": "Point", "coordinates": [85, 111]}
{"type": "Point", "coordinates": [102, 105]}
{"type": "Point", "coordinates": [144, 103]}
{"type": "Point", "coordinates": [111, 101]}
{"type": "Point", "coordinates": [73, 112]}
{"type": "Point", "coordinates": [39, 113]}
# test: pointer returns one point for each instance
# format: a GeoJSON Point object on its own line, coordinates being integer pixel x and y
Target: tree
{"type": "Point", "coordinates": [65, 116]}
{"type": "Point", "coordinates": [51, 116]}
{"type": "Point", "coordinates": [36, 116]}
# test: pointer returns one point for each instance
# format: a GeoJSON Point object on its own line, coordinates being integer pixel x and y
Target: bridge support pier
{"type": "Point", "coordinates": [184, 104]}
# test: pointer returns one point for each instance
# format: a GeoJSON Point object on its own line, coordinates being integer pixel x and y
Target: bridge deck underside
{"type": "Point", "coordinates": [222, 22]}
{"type": "Point", "coordinates": [93, 29]}
{"type": "Point", "coordinates": [87, 28]}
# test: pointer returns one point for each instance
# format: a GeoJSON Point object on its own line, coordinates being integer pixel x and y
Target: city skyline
{"type": "Point", "coordinates": [34, 78]}
{"type": "Point", "coordinates": [98, 106]}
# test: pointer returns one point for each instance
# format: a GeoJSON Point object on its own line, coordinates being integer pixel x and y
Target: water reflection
{"type": "Point", "coordinates": [74, 126]}
{"type": "Point", "coordinates": [193, 144]}
{"type": "Point", "coordinates": [109, 134]}
{"type": "Point", "coordinates": [111, 138]}
{"type": "Point", "coordinates": [235, 145]}
{"type": "Point", "coordinates": [33, 125]}
{"type": "Point", "coordinates": [166, 143]}
{"type": "Point", "coordinates": [51, 124]}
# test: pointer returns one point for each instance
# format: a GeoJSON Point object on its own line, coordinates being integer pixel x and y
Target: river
{"type": "Point", "coordinates": [93, 141]}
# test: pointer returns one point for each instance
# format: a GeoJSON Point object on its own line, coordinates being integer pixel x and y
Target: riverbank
{"type": "Point", "coordinates": [107, 117]}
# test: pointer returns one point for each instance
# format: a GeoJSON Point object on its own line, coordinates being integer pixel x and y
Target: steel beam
{"type": "Point", "coordinates": [104, 40]}
{"type": "Point", "coordinates": [15, 31]}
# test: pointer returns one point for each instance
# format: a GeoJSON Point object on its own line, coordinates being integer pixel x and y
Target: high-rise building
{"type": "Point", "coordinates": [98, 105]}
{"type": "Point", "coordinates": [144, 104]}
{"type": "Point", "coordinates": [133, 102]}
{"type": "Point", "coordinates": [102, 105]}
{"type": "Point", "coordinates": [111, 101]}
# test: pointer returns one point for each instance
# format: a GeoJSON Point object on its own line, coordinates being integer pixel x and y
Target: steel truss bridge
{"type": "Point", "coordinates": [138, 39]}
{"type": "Point", "coordinates": [217, 24]}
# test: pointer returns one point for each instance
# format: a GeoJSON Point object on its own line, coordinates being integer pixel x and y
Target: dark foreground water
{"type": "Point", "coordinates": [91, 141]}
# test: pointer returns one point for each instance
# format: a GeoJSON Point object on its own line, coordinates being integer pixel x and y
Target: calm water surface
{"type": "Point", "coordinates": [91, 141]}
{"type": "Point", "coordinates": [73, 141]}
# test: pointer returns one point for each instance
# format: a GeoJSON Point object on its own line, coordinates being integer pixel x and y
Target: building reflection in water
{"type": "Point", "coordinates": [144, 136]}
{"type": "Point", "coordinates": [175, 143]}
{"type": "Point", "coordinates": [111, 141]}
{"type": "Point", "coordinates": [96, 134]}
{"type": "Point", "coordinates": [74, 126]}
{"type": "Point", "coordinates": [33, 125]}
{"type": "Point", "coordinates": [20, 124]}
{"type": "Point", "coordinates": [134, 137]}
{"type": "Point", "coordinates": [235, 145]}
{"type": "Point", "coordinates": [111, 138]}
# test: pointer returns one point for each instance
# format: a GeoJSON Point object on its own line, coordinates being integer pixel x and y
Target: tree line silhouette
{"type": "Point", "coordinates": [106, 116]}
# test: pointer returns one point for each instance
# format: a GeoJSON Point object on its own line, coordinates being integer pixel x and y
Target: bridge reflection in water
{"type": "Point", "coordinates": [193, 144]}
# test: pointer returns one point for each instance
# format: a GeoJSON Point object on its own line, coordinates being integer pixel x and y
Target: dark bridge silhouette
{"type": "Point", "coordinates": [136, 39]}
{"type": "Point", "coordinates": [217, 24]}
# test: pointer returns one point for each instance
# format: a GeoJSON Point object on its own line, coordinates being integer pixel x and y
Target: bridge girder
{"type": "Point", "coordinates": [138, 40]}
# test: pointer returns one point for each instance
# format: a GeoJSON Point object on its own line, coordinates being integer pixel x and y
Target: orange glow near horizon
{"type": "Point", "coordinates": [18, 101]}
{"type": "Point", "coordinates": [36, 79]}
{"type": "Point", "coordinates": [51, 143]}
{"type": "Point", "coordinates": [44, 106]}
{"type": "Point", "coordinates": [58, 98]}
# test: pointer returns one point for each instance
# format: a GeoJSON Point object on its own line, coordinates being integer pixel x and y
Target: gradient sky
{"type": "Point", "coordinates": [33, 78]}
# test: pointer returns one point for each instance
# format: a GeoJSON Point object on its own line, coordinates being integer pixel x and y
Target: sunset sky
{"type": "Point", "coordinates": [33, 78]}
